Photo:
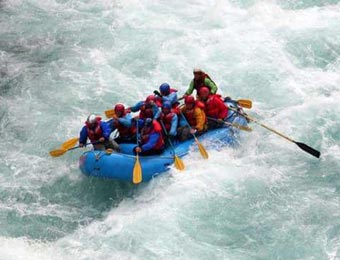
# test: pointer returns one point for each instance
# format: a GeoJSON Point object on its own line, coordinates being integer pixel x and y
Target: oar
{"type": "Point", "coordinates": [246, 103]}
{"type": "Point", "coordinates": [178, 162]}
{"type": "Point", "coordinates": [137, 169]}
{"type": "Point", "coordinates": [61, 151]}
{"type": "Point", "coordinates": [302, 146]}
{"type": "Point", "coordinates": [200, 146]}
{"type": "Point", "coordinates": [110, 113]}
{"type": "Point", "coordinates": [70, 143]}
{"type": "Point", "coordinates": [241, 127]}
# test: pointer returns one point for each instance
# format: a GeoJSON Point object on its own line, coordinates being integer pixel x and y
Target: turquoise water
{"type": "Point", "coordinates": [61, 60]}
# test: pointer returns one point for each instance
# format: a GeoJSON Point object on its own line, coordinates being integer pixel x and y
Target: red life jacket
{"type": "Point", "coordinates": [146, 111]}
{"type": "Point", "coordinates": [145, 135]}
{"type": "Point", "coordinates": [198, 84]}
{"type": "Point", "coordinates": [215, 108]}
{"type": "Point", "coordinates": [96, 133]}
{"type": "Point", "coordinates": [167, 119]}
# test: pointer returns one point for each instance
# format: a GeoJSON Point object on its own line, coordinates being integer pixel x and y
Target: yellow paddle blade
{"type": "Point", "coordinates": [202, 149]}
{"type": "Point", "coordinates": [179, 163]}
{"type": "Point", "coordinates": [110, 113]}
{"type": "Point", "coordinates": [57, 152]}
{"type": "Point", "coordinates": [137, 172]}
{"type": "Point", "coordinates": [245, 103]}
{"type": "Point", "coordinates": [242, 127]}
{"type": "Point", "coordinates": [70, 143]}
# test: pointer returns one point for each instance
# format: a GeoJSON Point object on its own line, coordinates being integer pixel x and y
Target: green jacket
{"type": "Point", "coordinates": [208, 82]}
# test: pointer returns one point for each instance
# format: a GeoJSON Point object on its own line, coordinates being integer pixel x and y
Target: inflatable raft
{"type": "Point", "coordinates": [120, 165]}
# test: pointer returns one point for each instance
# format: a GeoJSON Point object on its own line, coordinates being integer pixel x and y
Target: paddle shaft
{"type": "Point", "coordinates": [241, 127]}
{"type": "Point", "coordinates": [302, 146]}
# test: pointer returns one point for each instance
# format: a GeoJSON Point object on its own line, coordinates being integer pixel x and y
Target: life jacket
{"type": "Point", "coordinates": [213, 108]}
{"type": "Point", "coordinates": [146, 111]}
{"type": "Point", "coordinates": [167, 120]}
{"type": "Point", "coordinates": [198, 84]}
{"type": "Point", "coordinates": [96, 133]}
{"type": "Point", "coordinates": [147, 131]}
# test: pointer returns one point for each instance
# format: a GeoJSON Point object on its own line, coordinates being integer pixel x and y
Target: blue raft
{"type": "Point", "coordinates": [120, 165]}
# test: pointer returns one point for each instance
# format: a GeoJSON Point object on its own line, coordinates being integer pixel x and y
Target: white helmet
{"type": "Point", "coordinates": [197, 70]}
{"type": "Point", "coordinates": [91, 119]}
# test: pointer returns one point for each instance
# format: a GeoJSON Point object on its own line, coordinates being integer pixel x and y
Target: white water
{"type": "Point", "coordinates": [267, 199]}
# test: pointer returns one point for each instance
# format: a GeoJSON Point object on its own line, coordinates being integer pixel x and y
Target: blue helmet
{"type": "Point", "coordinates": [166, 104]}
{"type": "Point", "coordinates": [164, 88]}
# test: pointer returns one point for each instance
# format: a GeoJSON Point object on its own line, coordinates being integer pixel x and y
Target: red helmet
{"type": "Point", "coordinates": [150, 98]}
{"type": "Point", "coordinates": [189, 100]}
{"type": "Point", "coordinates": [119, 108]}
{"type": "Point", "coordinates": [204, 91]}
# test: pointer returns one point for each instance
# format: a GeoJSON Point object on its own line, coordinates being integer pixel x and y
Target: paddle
{"type": "Point", "coordinates": [245, 103]}
{"type": "Point", "coordinates": [302, 146]}
{"type": "Point", "coordinates": [137, 169]}
{"type": "Point", "coordinates": [178, 162]}
{"type": "Point", "coordinates": [61, 151]}
{"type": "Point", "coordinates": [200, 146]}
{"type": "Point", "coordinates": [70, 143]}
{"type": "Point", "coordinates": [110, 113]}
{"type": "Point", "coordinates": [241, 127]}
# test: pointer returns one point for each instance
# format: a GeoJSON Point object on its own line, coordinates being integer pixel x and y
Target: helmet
{"type": "Point", "coordinates": [150, 98]}
{"type": "Point", "coordinates": [119, 108]}
{"type": "Point", "coordinates": [148, 121]}
{"type": "Point", "coordinates": [164, 88]}
{"type": "Point", "coordinates": [204, 91]}
{"type": "Point", "coordinates": [189, 100]}
{"type": "Point", "coordinates": [197, 70]}
{"type": "Point", "coordinates": [91, 119]}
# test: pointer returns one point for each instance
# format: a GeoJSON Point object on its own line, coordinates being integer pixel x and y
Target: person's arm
{"type": "Point", "coordinates": [106, 130]}
{"type": "Point", "coordinates": [153, 139]}
{"type": "Point", "coordinates": [156, 112]}
{"type": "Point", "coordinates": [190, 89]}
{"type": "Point", "coordinates": [83, 136]}
{"type": "Point", "coordinates": [137, 106]}
{"type": "Point", "coordinates": [126, 120]}
{"type": "Point", "coordinates": [209, 83]}
{"type": "Point", "coordinates": [174, 123]}
{"type": "Point", "coordinates": [200, 119]}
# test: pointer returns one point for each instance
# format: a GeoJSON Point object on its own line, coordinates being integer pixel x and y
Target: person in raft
{"type": "Point", "coordinates": [151, 140]}
{"type": "Point", "coordinates": [213, 108]}
{"type": "Point", "coordinates": [147, 108]}
{"type": "Point", "coordinates": [98, 132]}
{"type": "Point", "coordinates": [200, 80]}
{"type": "Point", "coordinates": [122, 121]}
{"type": "Point", "coordinates": [170, 120]}
{"type": "Point", "coordinates": [194, 121]}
